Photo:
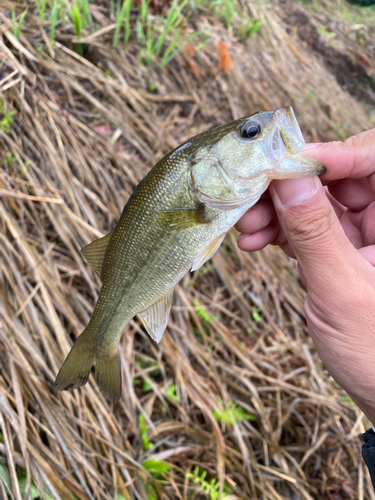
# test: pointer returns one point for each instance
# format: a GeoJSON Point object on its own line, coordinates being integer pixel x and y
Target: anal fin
{"type": "Point", "coordinates": [94, 252]}
{"type": "Point", "coordinates": [155, 318]}
{"type": "Point", "coordinates": [207, 252]}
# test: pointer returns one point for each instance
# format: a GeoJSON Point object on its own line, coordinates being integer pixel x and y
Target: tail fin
{"type": "Point", "coordinates": [76, 369]}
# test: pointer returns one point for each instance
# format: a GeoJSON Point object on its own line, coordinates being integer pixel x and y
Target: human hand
{"type": "Point", "coordinates": [332, 235]}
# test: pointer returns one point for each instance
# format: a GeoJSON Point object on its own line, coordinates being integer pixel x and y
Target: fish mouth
{"type": "Point", "coordinates": [286, 145]}
{"type": "Point", "coordinates": [287, 134]}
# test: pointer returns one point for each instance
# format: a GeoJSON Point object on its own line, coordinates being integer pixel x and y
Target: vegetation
{"type": "Point", "coordinates": [6, 117]}
{"type": "Point", "coordinates": [231, 413]}
{"type": "Point", "coordinates": [210, 488]}
{"type": "Point", "coordinates": [236, 379]}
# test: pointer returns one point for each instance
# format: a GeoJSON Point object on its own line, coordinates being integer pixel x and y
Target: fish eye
{"type": "Point", "coordinates": [250, 130]}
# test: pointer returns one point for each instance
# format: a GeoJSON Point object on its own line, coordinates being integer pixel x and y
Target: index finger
{"type": "Point", "coordinates": [353, 158]}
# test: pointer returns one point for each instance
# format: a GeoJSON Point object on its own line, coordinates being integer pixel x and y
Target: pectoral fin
{"type": "Point", "coordinates": [155, 318]}
{"type": "Point", "coordinates": [179, 219]}
{"type": "Point", "coordinates": [95, 251]}
{"type": "Point", "coordinates": [207, 252]}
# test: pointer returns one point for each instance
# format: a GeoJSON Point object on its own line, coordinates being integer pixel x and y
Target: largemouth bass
{"type": "Point", "coordinates": [174, 222]}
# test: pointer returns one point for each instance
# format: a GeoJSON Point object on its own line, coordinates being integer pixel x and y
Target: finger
{"type": "Point", "coordinates": [337, 206]}
{"type": "Point", "coordinates": [256, 218]}
{"type": "Point", "coordinates": [359, 226]}
{"type": "Point", "coordinates": [351, 223]}
{"type": "Point", "coordinates": [354, 158]}
{"type": "Point", "coordinates": [368, 226]}
{"type": "Point", "coordinates": [355, 194]}
{"type": "Point", "coordinates": [260, 239]}
{"type": "Point", "coordinates": [329, 261]}
{"type": "Point", "coordinates": [286, 248]}
{"type": "Point", "coordinates": [368, 253]}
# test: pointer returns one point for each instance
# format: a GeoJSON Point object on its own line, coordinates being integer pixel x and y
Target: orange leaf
{"type": "Point", "coordinates": [222, 48]}
{"type": "Point", "coordinates": [194, 67]}
{"type": "Point", "coordinates": [224, 56]}
{"type": "Point", "coordinates": [189, 49]}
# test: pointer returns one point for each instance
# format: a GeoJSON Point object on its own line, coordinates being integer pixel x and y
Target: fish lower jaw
{"type": "Point", "coordinates": [296, 167]}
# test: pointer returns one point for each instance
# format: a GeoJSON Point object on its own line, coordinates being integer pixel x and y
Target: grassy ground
{"type": "Point", "coordinates": [234, 402]}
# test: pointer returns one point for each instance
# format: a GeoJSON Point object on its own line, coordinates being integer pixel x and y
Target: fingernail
{"type": "Point", "coordinates": [312, 145]}
{"type": "Point", "coordinates": [294, 191]}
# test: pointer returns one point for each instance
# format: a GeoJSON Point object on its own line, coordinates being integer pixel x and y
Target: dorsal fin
{"type": "Point", "coordinates": [207, 252]}
{"type": "Point", "coordinates": [95, 251]}
{"type": "Point", "coordinates": [155, 318]}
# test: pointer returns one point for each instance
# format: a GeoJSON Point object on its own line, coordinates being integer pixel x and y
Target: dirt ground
{"type": "Point", "coordinates": [234, 403]}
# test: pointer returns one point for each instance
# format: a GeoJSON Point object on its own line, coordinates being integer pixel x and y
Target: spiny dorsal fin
{"type": "Point", "coordinates": [95, 251]}
{"type": "Point", "coordinates": [155, 318]}
{"type": "Point", "coordinates": [208, 252]}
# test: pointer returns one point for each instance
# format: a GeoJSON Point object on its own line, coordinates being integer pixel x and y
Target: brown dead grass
{"type": "Point", "coordinates": [88, 138]}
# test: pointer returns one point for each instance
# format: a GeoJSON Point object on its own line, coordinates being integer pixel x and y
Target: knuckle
{"type": "Point", "coordinates": [312, 226]}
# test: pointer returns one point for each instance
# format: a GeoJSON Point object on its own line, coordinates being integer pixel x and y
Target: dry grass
{"type": "Point", "coordinates": [80, 141]}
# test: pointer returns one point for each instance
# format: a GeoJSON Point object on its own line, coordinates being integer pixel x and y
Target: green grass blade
{"type": "Point", "coordinates": [171, 22]}
{"type": "Point", "coordinates": [119, 19]}
{"type": "Point", "coordinates": [18, 25]}
{"type": "Point", "coordinates": [77, 19]}
{"type": "Point", "coordinates": [169, 54]}
{"type": "Point", "coordinates": [128, 6]}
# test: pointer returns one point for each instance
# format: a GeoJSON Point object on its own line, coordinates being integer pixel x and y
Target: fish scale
{"type": "Point", "coordinates": [174, 221]}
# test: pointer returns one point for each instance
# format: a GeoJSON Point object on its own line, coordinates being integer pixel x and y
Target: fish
{"type": "Point", "coordinates": [174, 221]}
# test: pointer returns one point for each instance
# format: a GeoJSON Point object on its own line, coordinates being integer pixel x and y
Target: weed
{"type": "Point", "coordinates": [143, 430]}
{"type": "Point", "coordinates": [7, 118]}
{"type": "Point", "coordinates": [255, 312]}
{"type": "Point", "coordinates": [156, 468]}
{"type": "Point", "coordinates": [231, 413]}
{"type": "Point", "coordinates": [10, 158]}
{"type": "Point", "coordinates": [80, 14]}
{"type": "Point", "coordinates": [17, 25]}
{"type": "Point", "coordinates": [171, 392]}
{"type": "Point", "coordinates": [123, 17]}
{"type": "Point", "coordinates": [347, 399]}
{"type": "Point", "coordinates": [153, 33]}
{"type": "Point", "coordinates": [4, 478]}
{"type": "Point", "coordinates": [193, 282]}
{"type": "Point", "coordinates": [25, 167]}
{"type": "Point", "coordinates": [147, 363]}
{"type": "Point", "coordinates": [201, 311]}
{"type": "Point", "coordinates": [209, 488]}
{"type": "Point", "coordinates": [34, 492]}
{"type": "Point", "coordinates": [248, 28]}
{"type": "Point", "coordinates": [41, 6]}
{"type": "Point", "coordinates": [227, 10]}
{"type": "Point", "coordinates": [146, 386]}
{"type": "Point", "coordinates": [322, 30]}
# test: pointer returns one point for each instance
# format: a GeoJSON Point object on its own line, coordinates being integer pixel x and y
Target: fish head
{"type": "Point", "coordinates": [237, 165]}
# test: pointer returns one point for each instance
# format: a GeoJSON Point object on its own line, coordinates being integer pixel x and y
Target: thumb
{"type": "Point", "coordinates": [328, 260]}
